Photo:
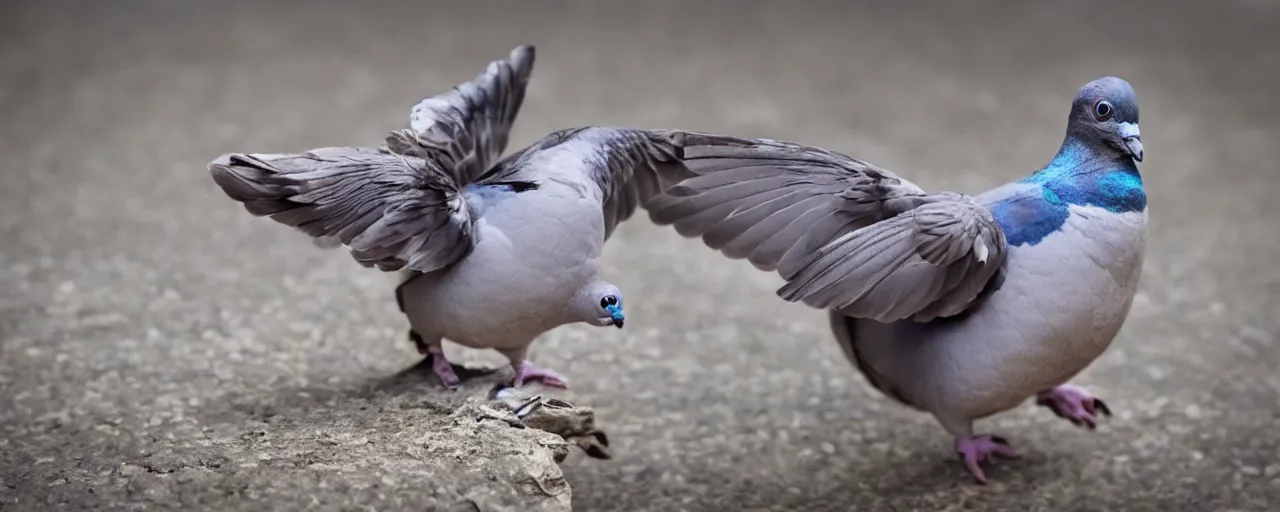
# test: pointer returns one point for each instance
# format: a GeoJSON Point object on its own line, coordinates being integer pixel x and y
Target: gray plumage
{"type": "Point", "coordinates": [956, 305]}
{"type": "Point", "coordinates": [498, 251]}
{"type": "Point", "coordinates": [801, 210]}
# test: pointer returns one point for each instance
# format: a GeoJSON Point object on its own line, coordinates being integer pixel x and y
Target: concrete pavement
{"type": "Point", "coordinates": [146, 319]}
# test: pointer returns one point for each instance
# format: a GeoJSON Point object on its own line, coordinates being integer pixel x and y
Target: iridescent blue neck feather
{"type": "Point", "coordinates": [1079, 175]}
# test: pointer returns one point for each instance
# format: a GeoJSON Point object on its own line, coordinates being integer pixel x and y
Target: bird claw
{"type": "Point", "coordinates": [526, 372]}
{"type": "Point", "coordinates": [976, 449]}
{"type": "Point", "coordinates": [1074, 404]}
{"type": "Point", "coordinates": [443, 368]}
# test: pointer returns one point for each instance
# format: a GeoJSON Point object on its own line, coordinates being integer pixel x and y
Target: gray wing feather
{"type": "Point", "coordinates": [929, 262]}
{"type": "Point", "coordinates": [634, 166]}
{"type": "Point", "coordinates": [845, 234]}
{"type": "Point", "coordinates": [392, 210]}
{"type": "Point", "coordinates": [466, 129]}
{"type": "Point", "coordinates": [626, 167]}
{"type": "Point", "coordinates": [756, 198]}
{"type": "Point", "coordinates": [399, 206]}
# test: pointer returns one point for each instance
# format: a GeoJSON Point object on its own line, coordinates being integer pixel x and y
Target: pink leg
{"type": "Point", "coordinates": [442, 367]}
{"type": "Point", "coordinates": [526, 371]}
{"type": "Point", "coordinates": [975, 449]}
{"type": "Point", "coordinates": [1075, 404]}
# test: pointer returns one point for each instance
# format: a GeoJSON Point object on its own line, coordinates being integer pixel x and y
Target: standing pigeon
{"type": "Point", "coordinates": [955, 305]}
{"type": "Point", "coordinates": [499, 251]}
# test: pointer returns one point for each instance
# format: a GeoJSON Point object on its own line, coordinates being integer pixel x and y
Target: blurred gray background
{"type": "Point", "coordinates": [138, 305]}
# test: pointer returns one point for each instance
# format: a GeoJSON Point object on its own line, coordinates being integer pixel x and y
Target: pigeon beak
{"type": "Point", "coordinates": [1134, 146]}
{"type": "Point", "coordinates": [1132, 140]}
{"type": "Point", "coordinates": [615, 316]}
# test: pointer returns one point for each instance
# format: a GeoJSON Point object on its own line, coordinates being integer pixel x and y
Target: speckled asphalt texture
{"type": "Point", "coordinates": [160, 348]}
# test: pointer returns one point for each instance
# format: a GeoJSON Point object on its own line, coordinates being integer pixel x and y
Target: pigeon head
{"type": "Point", "coordinates": [600, 304]}
{"type": "Point", "coordinates": [1104, 115]}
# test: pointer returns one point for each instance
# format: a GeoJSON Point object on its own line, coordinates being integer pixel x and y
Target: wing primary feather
{"type": "Point", "coordinates": [843, 233]}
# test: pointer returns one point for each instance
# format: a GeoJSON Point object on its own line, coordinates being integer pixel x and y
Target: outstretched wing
{"type": "Point", "coordinates": [392, 210]}
{"type": "Point", "coordinates": [844, 234]}
{"type": "Point", "coordinates": [399, 206]}
{"type": "Point", "coordinates": [756, 198]}
{"type": "Point", "coordinates": [466, 129]}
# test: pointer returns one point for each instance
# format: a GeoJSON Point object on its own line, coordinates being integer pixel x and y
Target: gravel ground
{"type": "Point", "coordinates": [160, 348]}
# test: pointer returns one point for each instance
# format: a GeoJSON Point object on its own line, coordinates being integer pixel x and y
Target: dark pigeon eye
{"type": "Point", "coordinates": [1102, 110]}
{"type": "Point", "coordinates": [608, 301]}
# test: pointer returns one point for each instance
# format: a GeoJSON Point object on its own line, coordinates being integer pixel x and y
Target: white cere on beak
{"type": "Point", "coordinates": [980, 249]}
{"type": "Point", "coordinates": [1129, 130]}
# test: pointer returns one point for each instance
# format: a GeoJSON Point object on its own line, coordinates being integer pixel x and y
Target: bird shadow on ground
{"type": "Point", "coordinates": [935, 473]}
{"type": "Point", "coordinates": [411, 388]}
{"type": "Point", "coordinates": [916, 480]}
{"type": "Point", "coordinates": [420, 375]}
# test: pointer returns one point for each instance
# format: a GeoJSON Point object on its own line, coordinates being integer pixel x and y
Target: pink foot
{"type": "Point", "coordinates": [442, 367]}
{"type": "Point", "coordinates": [1075, 404]}
{"type": "Point", "coordinates": [975, 449]}
{"type": "Point", "coordinates": [526, 372]}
